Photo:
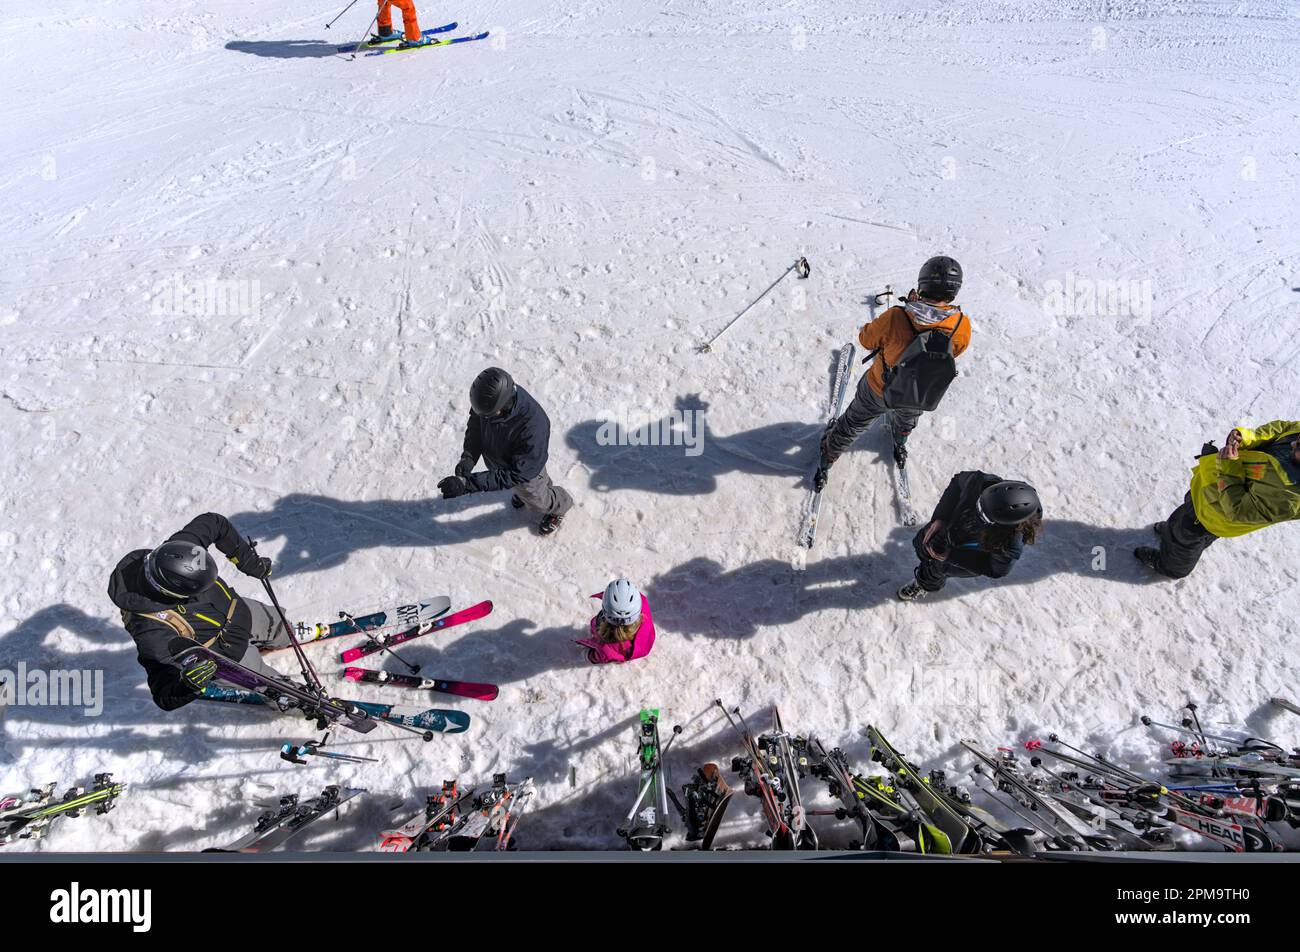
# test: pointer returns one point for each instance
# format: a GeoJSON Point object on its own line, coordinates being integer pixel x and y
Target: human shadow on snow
{"type": "Point", "coordinates": [321, 532]}
{"type": "Point", "coordinates": [786, 450]}
{"type": "Point", "coordinates": [286, 49]}
{"type": "Point", "coordinates": [700, 597]}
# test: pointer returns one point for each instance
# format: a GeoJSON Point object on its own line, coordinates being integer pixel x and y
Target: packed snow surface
{"type": "Point", "coordinates": [246, 274]}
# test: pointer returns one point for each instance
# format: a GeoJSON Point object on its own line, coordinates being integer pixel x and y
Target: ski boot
{"type": "Point", "coordinates": [380, 37]}
{"type": "Point", "coordinates": [912, 592]}
{"type": "Point", "coordinates": [412, 44]}
{"type": "Point", "coordinates": [1159, 528]}
{"type": "Point", "coordinates": [900, 452]}
{"type": "Point", "coordinates": [516, 502]}
{"type": "Point", "coordinates": [1148, 556]}
{"type": "Point", "coordinates": [550, 522]}
{"type": "Point", "coordinates": [824, 462]}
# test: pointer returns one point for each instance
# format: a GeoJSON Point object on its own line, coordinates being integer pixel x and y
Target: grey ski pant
{"type": "Point", "coordinates": [1183, 541]}
{"type": "Point", "coordinates": [267, 633]}
{"type": "Point", "coordinates": [861, 412]}
{"type": "Point", "coordinates": [541, 495]}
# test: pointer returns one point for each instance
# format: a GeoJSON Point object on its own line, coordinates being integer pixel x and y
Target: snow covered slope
{"type": "Point", "coordinates": [583, 199]}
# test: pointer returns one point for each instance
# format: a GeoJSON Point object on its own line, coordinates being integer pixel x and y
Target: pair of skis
{"type": "Point", "coordinates": [278, 825]}
{"type": "Point", "coordinates": [646, 823]}
{"type": "Point", "coordinates": [29, 816]}
{"type": "Point", "coordinates": [771, 769]}
{"type": "Point", "coordinates": [902, 482]}
{"type": "Point", "coordinates": [395, 43]}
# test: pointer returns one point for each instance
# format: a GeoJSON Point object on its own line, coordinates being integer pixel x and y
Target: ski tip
{"type": "Point", "coordinates": [353, 674]}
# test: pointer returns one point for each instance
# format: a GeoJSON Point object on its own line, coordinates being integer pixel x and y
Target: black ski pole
{"type": "Point", "coordinates": [341, 12]}
{"type": "Point", "coordinates": [308, 672]}
{"type": "Point", "coordinates": [800, 267]}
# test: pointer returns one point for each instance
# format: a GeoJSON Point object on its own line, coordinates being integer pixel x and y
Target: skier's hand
{"type": "Point", "coordinates": [938, 554]}
{"type": "Point", "coordinates": [198, 673]}
{"type": "Point", "coordinates": [1231, 446]}
{"type": "Point", "coordinates": [257, 567]}
{"type": "Point", "coordinates": [464, 467]}
{"type": "Point", "coordinates": [453, 486]}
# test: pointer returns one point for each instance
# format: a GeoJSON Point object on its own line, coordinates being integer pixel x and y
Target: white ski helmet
{"type": "Point", "coordinates": [621, 602]}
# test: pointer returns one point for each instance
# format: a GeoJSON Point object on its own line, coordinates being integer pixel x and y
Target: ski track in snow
{"type": "Point", "coordinates": [583, 200]}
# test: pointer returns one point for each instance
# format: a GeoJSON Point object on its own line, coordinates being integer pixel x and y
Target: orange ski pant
{"type": "Point", "coordinates": [410, 24]}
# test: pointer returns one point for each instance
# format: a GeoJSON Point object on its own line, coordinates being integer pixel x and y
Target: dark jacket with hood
{"type": "Point", "coordinates": [217, 614]}
{"type": "Point", "coordinates": [963, 528]}
{"type": "Point", "coordinates": [514, 446]}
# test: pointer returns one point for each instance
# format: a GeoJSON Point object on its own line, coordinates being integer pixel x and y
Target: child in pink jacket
{"type": "Point", "coordinates": [623, 629]}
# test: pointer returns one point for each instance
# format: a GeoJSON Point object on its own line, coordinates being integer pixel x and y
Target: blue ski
{"type": "Point", "coordinates": [440, 720]}
{"type": "Point", "coordinates": [376, 40]}
{"type": "Point", "coordinates": [447, 42]}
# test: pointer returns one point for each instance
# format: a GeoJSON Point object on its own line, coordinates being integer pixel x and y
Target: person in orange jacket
{"type": "Point", "coordinates": [410, 24]}
{"type": "Point", "coordinates": [929, 307]}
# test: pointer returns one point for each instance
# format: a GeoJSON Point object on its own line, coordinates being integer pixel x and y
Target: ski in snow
{"type": "Point", "coordinates": [376, 40]}
{"type": "Point", "coordinates": [843, 376]}
{"type": "Point", "coordinates": [1285, 704]}
{"type": "Point", "coordinates": [277, 826]}
{"type": "Point", "coordinates": [394, 616]}
{"type": "Point", "coordinates": [379, 643]}
{"type": "Point", "coordinates": [438, 720]}
{"type": "Point", "coordinates": [902, 484]}
{"type": "Point", "coordinates": [435, 43]}
{"type": "Point", "coordinates": [476, 690]}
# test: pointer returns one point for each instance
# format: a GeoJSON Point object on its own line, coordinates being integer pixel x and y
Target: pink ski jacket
{"type": "Point", "coordinates": [603, 652]}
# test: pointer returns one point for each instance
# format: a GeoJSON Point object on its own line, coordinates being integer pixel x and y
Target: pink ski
{"type": "Point", "coordinates": [480, 692]}
{"type": "Point", "coordinates": [382, 641]}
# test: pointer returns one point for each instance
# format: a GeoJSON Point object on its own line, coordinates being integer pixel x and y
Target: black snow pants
{"type": "Point", "coordinates": [1183, 541]}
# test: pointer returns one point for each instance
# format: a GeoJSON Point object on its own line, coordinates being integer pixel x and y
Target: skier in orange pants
{"type": "Point", "coordinates": [410, 25]}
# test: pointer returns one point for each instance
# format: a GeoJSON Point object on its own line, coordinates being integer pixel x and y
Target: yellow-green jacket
{"type": "Point", "coordinates": [1236, 496]}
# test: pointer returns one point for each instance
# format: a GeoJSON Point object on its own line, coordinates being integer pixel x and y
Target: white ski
{"type": "Point", "coordinates": [902, 484]}
{"type": "Point", "coordinates": [843, 376]}
{"type": "Point", "coordinates": [1285, 704]}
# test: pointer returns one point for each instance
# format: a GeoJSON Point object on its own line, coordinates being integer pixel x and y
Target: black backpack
{"type": "Point", "coordinates": [922, 375]}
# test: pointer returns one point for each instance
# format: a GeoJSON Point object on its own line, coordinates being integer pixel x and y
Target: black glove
{"type": "Point", "coordinates": [1207, 449]}
{"type": "Point", "coordinates": [198, 673]}
{"type": "Point", "coordinates": [464, 467]}
{"type": "Point", "coordinates": [453, 486]}
{"type": "Point", "coordinates": [259, 566]}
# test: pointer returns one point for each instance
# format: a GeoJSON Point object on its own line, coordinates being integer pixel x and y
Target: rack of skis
{"type": "Point", "coordinates": [1225, 790]}
{"type": "Point", "coordinates": [1240, 794]}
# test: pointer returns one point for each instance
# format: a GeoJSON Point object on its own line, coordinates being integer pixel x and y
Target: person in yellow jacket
{"type": "Point", "coordinates": [928, 307]}
{"type": "Point", "coordinates": [1253, 482]}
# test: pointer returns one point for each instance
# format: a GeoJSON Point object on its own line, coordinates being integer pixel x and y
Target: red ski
{"type": "Point", "coordinates": [480, 692]}
{"type": "Point", "coordinates": [382, 641]}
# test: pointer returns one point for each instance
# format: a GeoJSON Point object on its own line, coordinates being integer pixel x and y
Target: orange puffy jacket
{"type": "Point", "coordinates": [892, 331]}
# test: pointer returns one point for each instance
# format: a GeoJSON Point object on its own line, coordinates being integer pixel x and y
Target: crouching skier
{"type": "Point", "coordinates": [172, 596]}
{"type": "Point", "coordinates": [979, 528]}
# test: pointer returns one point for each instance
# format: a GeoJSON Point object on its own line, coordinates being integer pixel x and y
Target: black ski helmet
{"type": "Point", "coordinates": [940, 279]}
{"type": "Point", "coordinates": [1008, 503]}
{"type": "Point", "coordinates": [491, 392]}
{"type": "Point", "coordinates": [179, 569]}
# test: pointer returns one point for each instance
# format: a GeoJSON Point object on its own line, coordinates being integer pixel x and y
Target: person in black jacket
{"type": "Point", "coordinates": [980, 527]}
{"type": "Point", "coordinates": [512, 433]}
{"type": "Point", "coordinates": [171, 596]}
